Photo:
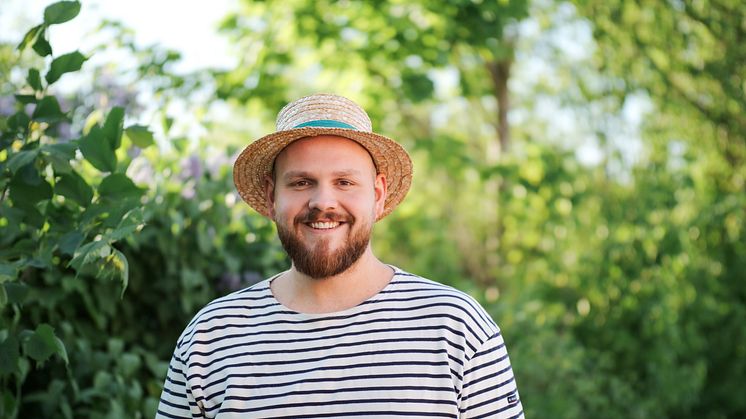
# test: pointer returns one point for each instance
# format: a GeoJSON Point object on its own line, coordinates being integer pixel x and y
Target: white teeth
{"type": "Point", "coordinates": [324, 225]}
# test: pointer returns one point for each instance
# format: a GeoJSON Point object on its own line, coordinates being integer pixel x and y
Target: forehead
{"type": "Point", "coordinates": [322, 152]}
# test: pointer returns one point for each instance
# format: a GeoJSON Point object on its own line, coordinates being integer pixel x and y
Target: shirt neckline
{"type": "Point", "coordinates": [347, 311]}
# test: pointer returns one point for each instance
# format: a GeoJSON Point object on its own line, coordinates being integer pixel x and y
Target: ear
{"type": "Point", "coordinates": [380, 189]}
{"type": "Point", "coordinates": [269, 195]}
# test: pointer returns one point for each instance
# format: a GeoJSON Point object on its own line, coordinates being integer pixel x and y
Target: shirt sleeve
{"type": "Point", "coordinates": [177, 402]}
{"type": "Point", "coordinates": [489, 389]}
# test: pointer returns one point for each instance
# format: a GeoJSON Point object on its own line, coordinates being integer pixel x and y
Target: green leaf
{"type": "Point", "coordinates": [61, 12]}
{"type": "Point", "coordinates": [3, 297]}
{"type": "Point", "coordinates": [34, 79]}
{"type": "Point", "coordinates": [60, 349]}
{"type": "Point", "coordinates": [48, 110]}
{"type": "Point", "coordinates": [21, 159]}
{"type": "Point", "coordinates": [41, 46]}
{"type": "Point", "coordinates": [140, 135]}
{"type": "Point", "coordinates": [120, 263]}
{"type": "Point", "coordinates": [17, 292]}
{"type": "Point", "coordinates": [60, 155]}
{"type": "Point", "coordinates": [73, 186]}
{"type": "Point", "coordinates": [113, 127]}
{"type": "Point", "coordinates": [19, 121]}
{"type": "Point", "coordinates": [41, 344]}
{"type": "Point", "coordinates": [65, 64]}
{"type": "Point", "coordinates": [129, 223]}
{"type": "Point", "coordinates": [30, 36]}
{"type": "Point", "coordinates": [97, 151]}
{"type": "Point", "coordinates": [9, 354]}
{"type": "Point", "coordinates": [8, 272]}
{"type": "Point", "coordinates": [26, 99]}
{"type": "Point", "coordinates": [70, 241]}
{"type": "Point", "coordinates": [25, 194]}
{"type": "Point", "coordinates": [118, 186]}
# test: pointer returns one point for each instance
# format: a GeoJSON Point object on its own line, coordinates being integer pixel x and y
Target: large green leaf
{"type": "Point", "coordinates": [97, 150]}
{"type": "Point", "coordinates": [34, 79]}
{"type": "Point", "coordinates": [113, 127]}
{"type": "Point", "coordinates": [21, 159]}
{"type": "Point", "coordinates": [43, 343]}
{"type": "Point", "coordinates": [26, 192]}
{"type": "Point", "coordinates": [61, 12]}
{"type": "Point", "coordinates": [8, 272]}
{"type": "Point", "coordinates": [70, 241]}
{"type": "Point", "coordinates": [48, 110]}
{"type": "Point", "coordinates": [118, 186]}
{"type": "Point", "coordinates": [73, 186]}
{"type": "Point", "coordinates": [40, 345]}
{"type": "Point", "coordinates": [60, 155]}
{"type": "Point", "coordinates": [30, 36]}
{"type": "Point", "coordinates": [41, 46]}
{"type": "Point", "coordinates": [65, 64]}
{"type": "Point", "coordinates": [139, 135]}
{"type": "Point", "coordinates": [9, 355]}
{"type": "Point", "coordinates": [17, 292]}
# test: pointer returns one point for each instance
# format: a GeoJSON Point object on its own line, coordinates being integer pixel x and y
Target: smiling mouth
{"type": "Point", "coordinates": [324, 225]}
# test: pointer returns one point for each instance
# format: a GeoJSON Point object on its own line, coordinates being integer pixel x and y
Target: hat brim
{"type": "Point", "coordinates": [255, 163]}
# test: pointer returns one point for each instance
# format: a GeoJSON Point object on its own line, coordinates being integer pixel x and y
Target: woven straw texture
{"type": "Point", "coordinates": [255, 162]}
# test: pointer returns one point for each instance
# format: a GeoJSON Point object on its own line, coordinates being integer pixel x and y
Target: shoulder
{"type": "Point", "coordinates": [241, 306]}
{"type": "Point", "coordinates": [448, 301]}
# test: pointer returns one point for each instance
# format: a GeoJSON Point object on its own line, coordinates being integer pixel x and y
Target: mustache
{"type": "Point", "coordinates": [316, 215]}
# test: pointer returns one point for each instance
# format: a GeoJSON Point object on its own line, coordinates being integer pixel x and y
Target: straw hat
{"type": "Point", "coordinates": [321, 114]}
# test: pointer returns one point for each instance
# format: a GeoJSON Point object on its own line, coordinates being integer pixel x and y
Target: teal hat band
{"type": "Point", "coordinates": [325, 123]}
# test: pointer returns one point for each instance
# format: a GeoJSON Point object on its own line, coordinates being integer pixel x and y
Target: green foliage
{"type": "Point", "coordinates": [618, 286]}
{"type": "Point", "coordinates": [103, 256]}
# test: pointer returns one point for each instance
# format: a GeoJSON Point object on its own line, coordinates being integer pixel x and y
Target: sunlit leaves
{"type": "Point", "coordinates": [140, 135]}
{"type": "Point", "coordinates": [97, 150]}
{"type": "Point", "coordinates": [112, 128]}
{"type": "Point", "coordinates": [118, 186]}
{"type": "Point", "coordinates": [64, 64]}
{"type": "Point", "coordinates": [30, 36]}
{"type": "Point", "coordinates": [61, 12]}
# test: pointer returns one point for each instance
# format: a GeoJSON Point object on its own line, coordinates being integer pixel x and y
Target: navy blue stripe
{"type": "Point", "coordinates": [277, 323]}
{"type": "Point", "coordinates": [338, 391]}
{"type": "Point", "coordinates": [329, 368]}
{"type": "Point", "coordinates": [328, 380]}
{"type": "Point", "coordinates": [252, 352]}
{"type": "Point", "coordinates": [416, 329]}
{"type": "Point", "coordinates": [337, 402]}
{"type": "Point", "coordinates": [315, 360]}
{"type": "Point", "coordinates": [486, 364]}
{"type": "Point", "coordinates": [491, 388]}
{"type": "Point", "coordinates": [459, 294]}
{"type": "Point", "coordinates": [495, 400]}
{"type": "Point", "coordinates": [389, 414]}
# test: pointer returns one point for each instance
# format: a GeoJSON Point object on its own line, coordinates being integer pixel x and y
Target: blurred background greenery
{"type": "Point", "coordinates": [579, 169]}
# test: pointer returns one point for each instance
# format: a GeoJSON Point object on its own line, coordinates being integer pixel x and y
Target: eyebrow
{"type": "Point", "coordinates": [339, 173]}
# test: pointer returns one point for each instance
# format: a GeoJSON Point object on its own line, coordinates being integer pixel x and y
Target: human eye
{"type": "Point", "coordinates": [299, 183]}
{"type": "Point", "coordinates": [345, 182]}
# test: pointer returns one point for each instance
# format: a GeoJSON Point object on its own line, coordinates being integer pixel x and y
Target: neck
{"type": "Point", "coordinates": [301, 293]}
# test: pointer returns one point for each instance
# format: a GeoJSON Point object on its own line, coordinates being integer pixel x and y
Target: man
{"type": "Point", "coordinates": [339, 334]}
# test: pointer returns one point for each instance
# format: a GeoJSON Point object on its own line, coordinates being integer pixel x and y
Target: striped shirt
{"type": "Point", "coordinates": [417, 349]}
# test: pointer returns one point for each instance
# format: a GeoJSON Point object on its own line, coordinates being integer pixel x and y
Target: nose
{"type": "Point", "coordinates": [323, 199]}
